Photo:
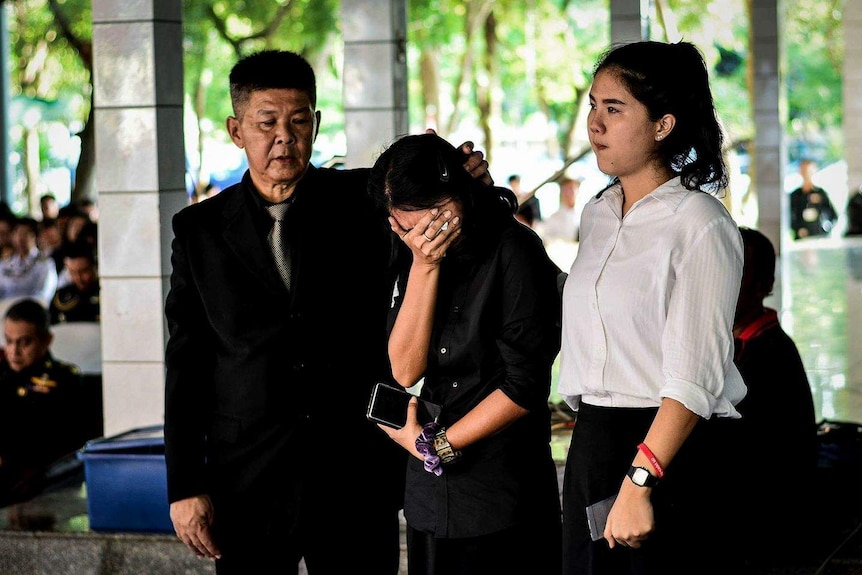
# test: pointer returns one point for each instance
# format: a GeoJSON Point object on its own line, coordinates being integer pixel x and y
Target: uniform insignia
{"type": "Point", "coordinates": [43, 384]}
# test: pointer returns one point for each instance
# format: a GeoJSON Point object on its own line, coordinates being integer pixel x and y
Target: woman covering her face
{"type": "Point", "coordinates": [475, 316]}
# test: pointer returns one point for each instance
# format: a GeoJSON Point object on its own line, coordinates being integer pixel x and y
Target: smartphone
{"type": "Point", "coordinates": [388, 405]}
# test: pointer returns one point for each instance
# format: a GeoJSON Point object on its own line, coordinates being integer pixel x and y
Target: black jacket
{"type": "Point", "coordinates": [262, 383]}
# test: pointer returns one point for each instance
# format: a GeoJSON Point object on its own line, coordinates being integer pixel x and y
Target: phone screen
{"type": "Point", "coordinates": [388, 406]}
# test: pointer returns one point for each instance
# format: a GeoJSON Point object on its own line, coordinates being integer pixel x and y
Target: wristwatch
{"type": "Point", "coordinates": [641, 477]}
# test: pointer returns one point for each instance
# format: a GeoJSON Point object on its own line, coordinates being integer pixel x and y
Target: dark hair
{"type": "Point", "coordinates": [424, 171]}
{"type": "Point", "coordinates": [28, 222]}
{"type": "Point", "coordinates": [268, 70]}
{"type": "Point", "coordinates": [673, 79]}
{"type": "Point", "coordinates": [31, 311]}
{"type": "Point", "coordinates": [80, 249]}
{"type": "Point", "coordinates": [761, 255]}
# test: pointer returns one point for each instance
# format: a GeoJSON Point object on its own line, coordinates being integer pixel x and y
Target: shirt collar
{"type": "Point", "coordinates": [670, 194]}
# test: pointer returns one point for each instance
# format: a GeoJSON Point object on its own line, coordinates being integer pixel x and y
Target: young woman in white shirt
{"type": "Point", "coordinates": [647, 352]}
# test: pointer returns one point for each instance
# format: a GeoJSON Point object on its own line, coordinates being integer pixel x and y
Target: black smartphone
{"type": "Point", "coordinates": [388, 405]}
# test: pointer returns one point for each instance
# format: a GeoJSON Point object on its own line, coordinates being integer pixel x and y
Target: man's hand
{"type": "Point", "coordinates": [476, 164]}
{"type": "Point", "coordinates": [193, 519]}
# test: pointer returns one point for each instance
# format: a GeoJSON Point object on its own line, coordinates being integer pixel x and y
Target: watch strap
{"type": "Point", "coordinates": [641, 477]}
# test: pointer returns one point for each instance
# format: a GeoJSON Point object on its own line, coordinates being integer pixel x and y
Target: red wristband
{"type": "Point", "coordinates": [652, 459]}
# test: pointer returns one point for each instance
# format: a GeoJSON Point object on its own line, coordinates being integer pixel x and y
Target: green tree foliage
{"type": "Point", "coordinates": [814, 66]}
{"type": "Point", "coordinates": [496, 66]}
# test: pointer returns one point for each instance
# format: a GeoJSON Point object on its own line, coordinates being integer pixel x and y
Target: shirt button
{"type": "Point", "coordinates": [454, 384]}
{"type": "Point", "coordinates": [443, 350]}
{"type": "Point", "coordinates": [456, 309]}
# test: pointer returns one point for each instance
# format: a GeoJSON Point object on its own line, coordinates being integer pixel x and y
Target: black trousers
{"type": "Point", "coordinates": [691, 509]}
{"type": "Point", "coordinates": [259, 541]}
{"type": "Point", "coordinates": [514, 551]}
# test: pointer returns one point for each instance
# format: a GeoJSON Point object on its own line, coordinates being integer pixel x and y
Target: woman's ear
{"type": "Point", "coordinates": [664, 126]}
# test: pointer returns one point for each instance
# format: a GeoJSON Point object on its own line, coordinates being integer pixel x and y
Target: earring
{"type": "Point", "coordinates": [659, 137]}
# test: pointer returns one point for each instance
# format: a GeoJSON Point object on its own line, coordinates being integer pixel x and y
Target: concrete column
{"type": "Point", "coordinates": [140, 165]}
{"type": "Point", "coordinates": [852, 18]}
{"type": "Point", "coordinates": [375, 76]}
{"type": "Point", "coordinates": [629, 20]}
{"type": "Point", "coordinates": [770, 112]}
{"type": "Point", "coordinates": [5, 145]}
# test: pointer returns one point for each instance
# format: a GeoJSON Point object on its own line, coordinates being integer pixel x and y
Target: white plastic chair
{"type": "Point", "coordinates": [79, 343]}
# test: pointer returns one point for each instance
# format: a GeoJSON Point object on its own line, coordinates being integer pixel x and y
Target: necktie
{"type": "Point", "coordinates": [276, 243]}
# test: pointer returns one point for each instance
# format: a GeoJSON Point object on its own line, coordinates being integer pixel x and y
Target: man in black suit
{"type": "Point", "coordinates": [269, 456]}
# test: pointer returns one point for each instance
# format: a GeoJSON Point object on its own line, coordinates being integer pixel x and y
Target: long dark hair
{"type": "Point", "coordinates": [672, 79]}
{"type": "Point", "coordinates": [424, 171]}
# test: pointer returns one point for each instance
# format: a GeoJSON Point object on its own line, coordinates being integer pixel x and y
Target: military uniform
{"type": "Point", "coordinates": [70, 304]}
{"type": "Point", "coordinates": [40, 421]}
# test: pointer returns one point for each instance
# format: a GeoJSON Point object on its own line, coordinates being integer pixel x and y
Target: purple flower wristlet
{"type": "Point", "coordinates": [425, 446]}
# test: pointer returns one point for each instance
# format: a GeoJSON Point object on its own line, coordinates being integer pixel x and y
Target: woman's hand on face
{"type": "Point", "coordinates": [406, 436]}
{"type": "Point", "coordinates": [432, 236]}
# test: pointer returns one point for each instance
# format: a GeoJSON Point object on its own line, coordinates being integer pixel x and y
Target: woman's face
{"type": "Point", "coordinates": [620, 131]}
{"type": "Point", "coordinates": [409, 219]}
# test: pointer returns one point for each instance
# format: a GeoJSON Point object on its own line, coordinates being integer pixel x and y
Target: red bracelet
{"type": "Point", "coordinates": [652, 459]}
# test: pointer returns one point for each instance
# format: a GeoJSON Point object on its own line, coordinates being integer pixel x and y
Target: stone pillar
{"type": "Point", "coordinates": [852, 16]}
{"type": "Point", "coordinates": [375, 76]}
{"type": "Point", "coordinates": [629, 20]}
{"type": "Point", "coordinates": [5, 90]}
{"type": "Point", "coordinates": [140, 177]}
{"type": "Point", "coordinates": [769, 148]}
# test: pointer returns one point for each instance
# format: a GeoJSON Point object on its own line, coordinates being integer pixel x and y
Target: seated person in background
{"type": "Point", "coordinates": [49, 241]}
{"type": "Point", "coordinates": [40, 400]}
{"type": "Point", "coordinates": [777, 432]}
{"type": "Point", "coordinates": [27, 272]}
{"type": "Point", "coordinates": [6, 248]}
{"type": "Point", "coordinates": [78, 300]}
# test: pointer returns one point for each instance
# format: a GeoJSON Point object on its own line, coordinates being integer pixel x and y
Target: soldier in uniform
{"type": "Point", "coordinates": [40, 403]}
{"type": "Point", "coordinates": [79, 299]}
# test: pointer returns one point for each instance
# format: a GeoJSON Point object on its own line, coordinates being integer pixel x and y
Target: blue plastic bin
{"type": "Point", "coordinates": [127, 482]}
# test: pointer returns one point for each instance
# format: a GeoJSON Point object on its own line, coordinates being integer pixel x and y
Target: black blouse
{"type": "Point", "coordinates": [497, 326]}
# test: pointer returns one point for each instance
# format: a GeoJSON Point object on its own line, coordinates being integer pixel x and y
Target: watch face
{"type": "Point", "coordinates": [640, 476]}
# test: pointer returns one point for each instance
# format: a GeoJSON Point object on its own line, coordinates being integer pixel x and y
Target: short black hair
{"type": "Point", "coordinates": [30, 223]}
{"type": "Point", "coordinates": [762, 258]}
{"type": "Point", "coordinates": [80, 249]}
{"type": "Point", "coordinates": [31, 311]}
{"type": "Point", "coordinates": [268, 70]}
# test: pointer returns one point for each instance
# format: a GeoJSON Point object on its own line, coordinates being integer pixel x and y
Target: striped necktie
{"type": "Point", "coordinates": [276, 241]}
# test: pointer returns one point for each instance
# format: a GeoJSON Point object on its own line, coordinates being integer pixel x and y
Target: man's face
{"type": "Point", "coordinates": [24, 345]}
{"type": "Point", "coordinates": [23, 239]}
{"type": "Point", "coordinates": [82, 272]}
{"type": "Point", "coordinates": [277, 129]}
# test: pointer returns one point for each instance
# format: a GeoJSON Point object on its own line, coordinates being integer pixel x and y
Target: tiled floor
{"type": "Point", "coordinates": [821, 309]}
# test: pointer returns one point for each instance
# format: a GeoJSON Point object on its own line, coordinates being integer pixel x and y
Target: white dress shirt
{"type": "Point", "coordinates": [649, 302]}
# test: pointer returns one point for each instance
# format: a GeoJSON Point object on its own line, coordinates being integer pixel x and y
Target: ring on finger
{"type": "Point", "coordinates": [425, 235]}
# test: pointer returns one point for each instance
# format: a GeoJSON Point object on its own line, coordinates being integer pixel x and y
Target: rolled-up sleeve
{"type": "Point", "coordinates": [697, 343]}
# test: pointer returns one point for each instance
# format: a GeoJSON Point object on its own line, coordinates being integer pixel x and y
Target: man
{"type": "Point", "coordinates": [49, 207]}
{"type": "Point", "coordinates": [811, 212]}
{"type": "Point", "coordinates": [277, 335]}
{"type": "Point", "coordinates": [563, 224]}
{"type": "Point", "coordinates": [40, 403]}
{"type": "Point", "coordinates": [78, 300]}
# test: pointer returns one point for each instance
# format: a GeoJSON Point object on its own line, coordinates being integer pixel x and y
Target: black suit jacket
{"type": "Point", "coordinates": [266, 389]}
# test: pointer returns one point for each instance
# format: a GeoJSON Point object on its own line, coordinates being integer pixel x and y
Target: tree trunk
{"type": "Point", "coordinates": [430, 88]}
{"type": "Point", "coordinates": [486, 88]}
{"type": "Point", "coordinates": [476, 13]}
{"type": "Point", "coordinates": [32, 167]}
{"type": "Point", "coordinates": [84, 186]}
